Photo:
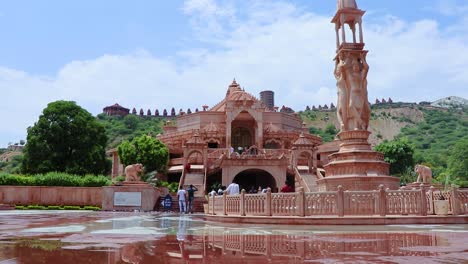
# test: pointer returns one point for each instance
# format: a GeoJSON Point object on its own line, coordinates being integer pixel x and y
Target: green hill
{"type": "Point", "coordinates": [433, 131]}
{"type": "Point", "coordinates": [120, 128]}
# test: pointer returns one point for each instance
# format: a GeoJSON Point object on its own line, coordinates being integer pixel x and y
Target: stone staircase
{"type": "Point", "coordinates": [196, 178]}
{"type": "Point", "coordinates": [309, 179]}
{"type": "Point", "coordinates": [197, 204]}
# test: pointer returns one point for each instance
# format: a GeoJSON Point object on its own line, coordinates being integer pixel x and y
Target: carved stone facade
{"type": "Point", "coordinates": [238, 138]}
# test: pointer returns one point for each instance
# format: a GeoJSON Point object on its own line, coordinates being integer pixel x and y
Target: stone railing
{"type": "Point", "coordinates": [339, 203]}
{"type": "Point", "coordinates": [300, 247]}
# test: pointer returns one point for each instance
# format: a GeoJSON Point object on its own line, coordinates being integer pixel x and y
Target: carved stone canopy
{"type": "Point", "coordinates": [302, 141]}
{"type": "Point", "coordinates": [195, 141]}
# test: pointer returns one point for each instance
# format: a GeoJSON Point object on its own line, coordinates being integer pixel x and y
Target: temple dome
{"type": "Point", "coordinates": [233, 87]}
{"type": "Point", "coordinates": [341, 4]}
{"type": "Point", "coordinates": [302, 141]}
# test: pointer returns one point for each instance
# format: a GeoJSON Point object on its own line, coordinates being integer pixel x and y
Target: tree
{"type": "Point", "coordinates": [66, 138]}
{"type": "Point", "coordinates": [399, 153]}
{"type": "Point", "coordinates": [131, 121]}
{"type": "Point", "coordinates": [149, 151]}
{"type": "Point", "coordinates": [458, 160]}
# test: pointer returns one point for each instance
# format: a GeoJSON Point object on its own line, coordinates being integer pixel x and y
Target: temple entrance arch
{"type": "Point", "coordinates": [243, 130]}
{"type": "Point", "coordinates": [256, 178]}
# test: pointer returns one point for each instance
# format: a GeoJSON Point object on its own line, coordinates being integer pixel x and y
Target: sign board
{"type": "Point", "coordinates": [127, 199]}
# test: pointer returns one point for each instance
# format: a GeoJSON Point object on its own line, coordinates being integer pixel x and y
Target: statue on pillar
{"type": "Point", "coordinates": [353, 108]}
{"type": "Point", "coordinates": [341, 84]}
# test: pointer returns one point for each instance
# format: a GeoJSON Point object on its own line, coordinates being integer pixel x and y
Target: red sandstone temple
{"type": "Point", "coordinates": [240, 138]}
{"type": "Point", "coordinates": [245, 140]}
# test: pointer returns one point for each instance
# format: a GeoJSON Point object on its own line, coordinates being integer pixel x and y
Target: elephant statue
{"type": "Point", "coordinates": [132, 172]}
{"type": "Point", "coordinates": [424, 174]}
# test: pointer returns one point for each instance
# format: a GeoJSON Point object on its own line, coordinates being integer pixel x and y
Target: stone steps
{"type": "Point", "coordinates": [195, 178]}
{"type": "Point", "coordinates": [197, 204]}
{"type": "Point", "coordinates": [309, 179]}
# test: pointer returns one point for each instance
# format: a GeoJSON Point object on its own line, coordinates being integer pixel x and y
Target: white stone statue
{"type": "Point", "coordinates": [424, 174]}
{"type": "Point", "coordinates": [343, 91]}
{"type": "Point", "coordinates": [132, 172]}
{"type": "Point", "coordinates": [353, 109]}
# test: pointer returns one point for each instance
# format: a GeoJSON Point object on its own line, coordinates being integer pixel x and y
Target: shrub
{"type": "Point", "coordinates": [93, 208]}
{"type": "Point", "coordinates": [10, 179]}
{"type": "Point", "coordinates": [71, 207]}
{"type": "Point", "coordinates": [57, 179]}
{"type": "Point", "coordinates": [36, 207]}
{"type": "Point", "coordinates": [95, 181]}
{"type": "Point", "coordinates": [54, 207]}
{"type": "Point", "coordinates": [54, 179]}
{"type": "Point", "coordinates": [119, 179]}
{"type": "Point", "coordinates": [20, 207]}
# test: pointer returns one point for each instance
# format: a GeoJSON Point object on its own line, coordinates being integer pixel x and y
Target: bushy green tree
{"type": "Point", "coordinates": [147, 150]}
{"type": "Point", "coordinates": [328, 134]}
{"type": "Point", "coordinates": [399, 153]}
{"type": "Point", "coordinates": [66, 138]}
{"type": "Point", "coordinates": [458, 160]}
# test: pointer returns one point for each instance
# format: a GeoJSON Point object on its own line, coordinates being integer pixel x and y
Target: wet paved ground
{"type": "Point", "coordinates": [102, 237]}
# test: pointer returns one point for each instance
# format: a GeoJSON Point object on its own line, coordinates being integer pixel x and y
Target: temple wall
{"type": "Point", "coordinates": [199, 120]}
{"type": "Point", "coordinates": [41, 195]}
{"type": "Point", "coordinates": [283, 120]}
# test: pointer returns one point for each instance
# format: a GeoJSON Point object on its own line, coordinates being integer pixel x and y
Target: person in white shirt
{"type": "Point", "coordinates": [181, 196]}
{"type": "Point", "coordinates": [233, 188]}
{"type": "Point", "coordinates": [213, 193]}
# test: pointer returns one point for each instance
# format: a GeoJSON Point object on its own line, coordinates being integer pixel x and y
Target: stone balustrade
{"type": "Point", "coordinates": [418, 202]}
{"type": "Point", "coordinates": [293, 245]}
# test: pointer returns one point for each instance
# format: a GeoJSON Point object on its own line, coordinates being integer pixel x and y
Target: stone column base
{"type": "Point", "coordinates": [358, 183]}
{"type": "Point", "coordinates": [129, 196]}
{"type": "Point", "coordinates": [356, 166]}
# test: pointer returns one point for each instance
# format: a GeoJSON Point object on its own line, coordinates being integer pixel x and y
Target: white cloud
{"type": "Point", "coordinates": [264, 45]}
{"type": "Point", "coordinates": [450, 7]}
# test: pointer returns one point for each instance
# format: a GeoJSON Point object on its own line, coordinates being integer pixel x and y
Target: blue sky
{"type": "Point", "coordinates": [159, 54]}
{"type": "Point", "coordinates": [41, 38]}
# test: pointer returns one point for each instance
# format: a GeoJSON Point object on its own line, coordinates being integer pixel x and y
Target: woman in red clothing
{"type": "Point", "coordinates": [287, 188]}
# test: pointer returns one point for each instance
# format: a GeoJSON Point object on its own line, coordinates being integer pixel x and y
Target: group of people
{"type": "Point", "coordinates": [186, 205]}
{"type": "Point", "coordinates": [186, 197]}
{"type": "Point", "coordinates": [234, 188]}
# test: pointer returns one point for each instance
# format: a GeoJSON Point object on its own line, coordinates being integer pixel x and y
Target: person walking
{"type": "Point", "coordinates": [191, 196]}
{"type": "Point", "coordinates": [181, 196]}
{"type": "Point", "coordinates": [233, 188]}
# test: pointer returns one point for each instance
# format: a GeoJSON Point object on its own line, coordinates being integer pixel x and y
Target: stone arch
{"type": "Point", "coordinates": [213, 143]}
{"type": "Point", "coordinates": [278, 172]}
{"type": "Point", "coordinates": [304, 158]}
{"type": "Point", "coordinates": [255, 178]}
{"type": "Point", "coordinates": [195, 157]}
{"type": "Point", "coordinates": [273, 143]}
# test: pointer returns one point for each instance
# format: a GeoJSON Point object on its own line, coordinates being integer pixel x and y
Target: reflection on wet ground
{"type": "Point", "coordinates": [100, 237]}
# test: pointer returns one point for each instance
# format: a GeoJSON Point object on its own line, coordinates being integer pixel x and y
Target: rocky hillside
{"type": "Point", "coordinates": [387, 120]}
{"type": "Point", "coordinates": [451, 102]}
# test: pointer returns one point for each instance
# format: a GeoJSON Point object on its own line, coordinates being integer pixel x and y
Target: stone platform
{"type": "Point", "coordinates": [356, 166]}
{"type": "Point", "coordinates": [333, 220]}
{"type": "Point", "coordinates": [129, 196]}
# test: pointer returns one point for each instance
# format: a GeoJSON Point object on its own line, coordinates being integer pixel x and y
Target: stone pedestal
{"type": "Point", "coordinates": [417, 185]}
{"type": "Point", "coordinates": [129, 196]}
{"type": "Point", "coordinates": [356, 166]}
